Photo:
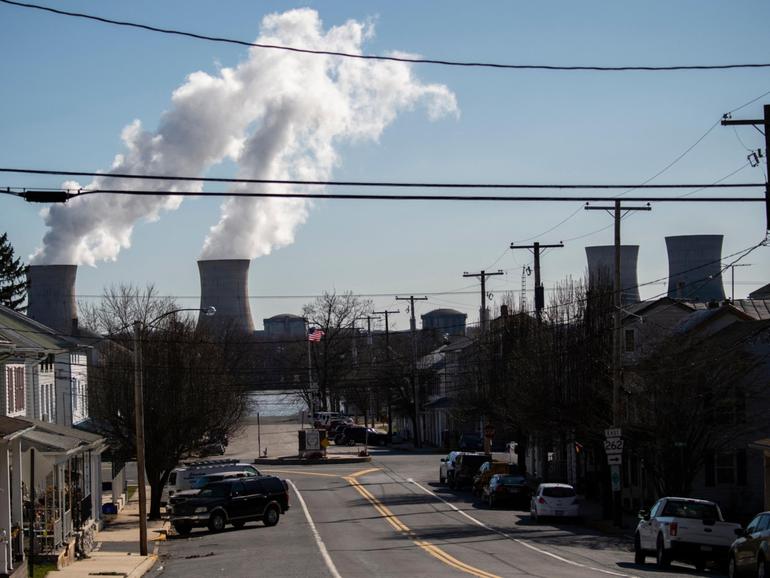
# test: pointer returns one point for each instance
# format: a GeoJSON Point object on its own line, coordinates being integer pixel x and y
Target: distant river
{"type": "Point", "coordinates": [275, 403]}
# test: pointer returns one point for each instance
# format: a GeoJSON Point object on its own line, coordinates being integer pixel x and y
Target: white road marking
{"type": "Point", "coordinates": [517, 540]}
{"type": "Point", "coordinates": [321, 546]}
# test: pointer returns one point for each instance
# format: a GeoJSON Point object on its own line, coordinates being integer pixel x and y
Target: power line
{"type": "Point", "coordinates": [404, 59]}
{"type": "Point", "coordinates": [389, 184]}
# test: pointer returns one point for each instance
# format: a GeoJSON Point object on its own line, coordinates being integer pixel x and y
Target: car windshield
{"type": "Point", "coordinates": [215, 491]}
{"type": "Point", "coordinates": [559, 492]}
{"type": "Point", "coordinates": [512, 480]}
{"type": "Point", "coordinates": [474, 462]}
{"type": "Point", "coordinates": [693, 510]}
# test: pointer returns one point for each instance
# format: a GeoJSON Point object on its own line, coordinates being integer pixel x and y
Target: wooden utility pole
{"type": "Point", "coordinates": [386, 313]}
{"type": "Point", "coordinates": [483, 276]}
{"type": "Point", "coordinates": [139, 417]}
{"type": "Point", "coordinates": [728, 121]}
{"type": "Point", "coordinates": [415, 388]}
{"type": "Point", "coordinates": [617, 346]}
{"type": "Point", "coordinates": [539, 290]}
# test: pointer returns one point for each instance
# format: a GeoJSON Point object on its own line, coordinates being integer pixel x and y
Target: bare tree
{"type": "Point", "coordinates": [193, 383]}
{"type": "Point", "coordinates": [333, 356]}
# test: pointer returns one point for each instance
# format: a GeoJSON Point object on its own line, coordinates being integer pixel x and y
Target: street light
{"type": "Point", "coordinates": [139, 415]}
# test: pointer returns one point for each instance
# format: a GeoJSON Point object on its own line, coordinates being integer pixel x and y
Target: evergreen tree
{"type": "Point", "coordinates": [13, 277]}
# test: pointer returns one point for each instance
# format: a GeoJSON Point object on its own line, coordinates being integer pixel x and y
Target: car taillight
{"type": "Point", "coordinates": [541, 500]}
{"type": "Point", "coordinates": [673, 527]}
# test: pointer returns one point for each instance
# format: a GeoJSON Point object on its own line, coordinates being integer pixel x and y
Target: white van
{"type": "Point", "coordinates": [183, 477]}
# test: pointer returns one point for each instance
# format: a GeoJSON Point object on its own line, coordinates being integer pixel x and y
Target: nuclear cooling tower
{"type": "Point", "coordinates": [51, 296]}
{"type": "Point", "coordinates": [601, 270]}
{"type": "Point", "coordinates": [695, 268]}
{"type": "Point", "coordinates": [225, 286]}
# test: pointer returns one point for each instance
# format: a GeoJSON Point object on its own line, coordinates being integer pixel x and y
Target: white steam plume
{"type": "Point", "coordinates": [278, 115]}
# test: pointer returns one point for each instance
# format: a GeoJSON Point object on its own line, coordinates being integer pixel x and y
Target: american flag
{"type": "Point", "coordinates": [315, 335]}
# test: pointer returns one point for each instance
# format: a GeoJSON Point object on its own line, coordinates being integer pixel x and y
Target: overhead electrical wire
{"type": "Point", "coordinates": [389, 184]}
{"type": "Point", "coordinates": [405, 59]}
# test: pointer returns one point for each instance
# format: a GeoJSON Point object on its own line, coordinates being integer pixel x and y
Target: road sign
{"type": "Point", "coordinates": [614, 432]}
{"type": "Point", "coordinates": [312, 439]}
{"type": "Point", "coordinates": [615, 477]}
{"type": "Point", "coordinates": [615, 459]}
{"type": "Point", "coordinates": [613, 445]}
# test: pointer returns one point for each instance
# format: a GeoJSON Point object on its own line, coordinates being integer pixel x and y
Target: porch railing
{"type": "Point", "coordinates": [67, 525]}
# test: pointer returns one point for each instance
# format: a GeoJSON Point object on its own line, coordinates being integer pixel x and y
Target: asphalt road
{"type": "Point", "coordinates": [391, 518]}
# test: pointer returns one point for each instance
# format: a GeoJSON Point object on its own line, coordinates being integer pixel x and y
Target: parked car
{"type": "Point", "coordinates": [466, 466]}
{"type": "Point", "coordinates": [750, 553]}
{"type": "Point", "coordinates": [359, 434]}
{"type": "Point", "coordinates": [683, 529]}
{"type": "Point", "coordinates": [447, 465]}
{"type": "Point", "coordinates": [489, 469]}
{"type": "Point", "coordinates": [554, 501]}
{"type": "Point", "coordinates": [322, 419]}
{"type": "Point", "coordinates": [233, 501]}
{"type": "Point", "coordinates": [183, 477]}
{"type": "Point", "coordinates": [507, 489]}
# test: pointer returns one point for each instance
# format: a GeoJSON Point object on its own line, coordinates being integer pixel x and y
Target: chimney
{"type": "Point", "coordinates": [601, 270]}
{"type": "Point", "coordinates": [51, 297]}
{"type": "Point", "coordinates": [695, 268]}
{"type": "Point", "coordinates": [225, 286]}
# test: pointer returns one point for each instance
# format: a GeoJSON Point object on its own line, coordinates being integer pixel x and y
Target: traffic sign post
{"type": "Point", "coordinates": [615, 477]}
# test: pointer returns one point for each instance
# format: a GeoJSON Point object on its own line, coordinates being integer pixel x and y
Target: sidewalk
{"type": "Point", "coordinates": [116, 552]}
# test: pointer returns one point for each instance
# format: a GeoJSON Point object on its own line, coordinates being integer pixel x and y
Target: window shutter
{"type": "Point", "coordinates": [740, 467]}
{"type": "Point", "coordinates": [709, 468]}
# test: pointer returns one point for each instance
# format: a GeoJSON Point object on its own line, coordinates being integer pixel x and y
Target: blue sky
{"type": "Point", "coordinates": [71, 87]}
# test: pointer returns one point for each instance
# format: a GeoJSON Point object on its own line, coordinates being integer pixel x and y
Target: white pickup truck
{"type": "Point", "coordinates": [683, 529]}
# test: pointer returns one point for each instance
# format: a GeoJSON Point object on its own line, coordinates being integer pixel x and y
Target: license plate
{"type": "Point", "coordinates": [705, 548]}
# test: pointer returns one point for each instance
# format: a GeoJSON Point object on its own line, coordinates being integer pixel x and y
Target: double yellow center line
{"type": "Point", "coordinates": [399, 526]}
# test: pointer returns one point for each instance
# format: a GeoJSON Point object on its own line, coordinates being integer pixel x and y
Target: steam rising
{"type": "Point", "coordinates": [278, 115]}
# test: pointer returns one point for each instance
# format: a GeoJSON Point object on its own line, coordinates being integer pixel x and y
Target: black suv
{"type": "Point", "coordinates": [359, 434]}
{"type": "Point", "coordinates": [234, 501]}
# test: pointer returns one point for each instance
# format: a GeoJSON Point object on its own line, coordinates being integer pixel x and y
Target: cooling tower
{"type": "Point", "coordinates": [51, 297]}
{"type": "Point", "coordinates": [694, 267]}
{"type": "Point", "coordinates": [601, 270]}
{"type": "Point", "coordinates": [225, 286]}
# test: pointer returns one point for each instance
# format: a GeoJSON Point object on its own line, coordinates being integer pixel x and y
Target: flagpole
{"type": "Point", "coordinates": [310, 368]}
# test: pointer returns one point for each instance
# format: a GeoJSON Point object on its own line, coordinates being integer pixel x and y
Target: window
{"type": "Point", "coordinates": [725, 468]}
{"type": "Point", "coordinates": [629, 342]}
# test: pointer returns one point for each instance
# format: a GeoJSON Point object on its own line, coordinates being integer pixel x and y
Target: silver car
{"type": "Point", "coordinates": [447, 467]}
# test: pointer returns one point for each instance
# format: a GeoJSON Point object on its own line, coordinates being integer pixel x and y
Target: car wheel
{"type": "Point", "coordinates": [182, 528]}
{"type": "Point", "coordinates": [441, 479]}
{"type": "Point", "coordinates": [271, 515]}
{"type": "Point", "coordinates": [217, 522]}
{"type": "Point", "coordinates": [732, 570]}
{"type": "Point", "coordinates": [762, 569]}
{"type": "Point", "coordinates": [639, 557]}
{"type": "Point", "coordinates": [239, 524]}
{"type": "Point", "coordinates": [662, 558]}
{"type": "Point", "coordinates": [491, 501]}
{"type": "Point", "coordinates": [533, 515]}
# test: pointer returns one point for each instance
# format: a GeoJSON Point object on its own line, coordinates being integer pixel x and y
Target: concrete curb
{"type": "Point", "coordinates": [145, 566]}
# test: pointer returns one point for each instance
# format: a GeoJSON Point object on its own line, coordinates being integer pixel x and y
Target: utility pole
{"type": "Point", "coordinates": [483, 276]}
{"type": "Point", "coordinates": [369, 347]}
{"type": "Point", "coordinates": [139, 421]}
{"type": "Point", "coordinates": [387, 313]}
{"type": "Point", "coordinates": [728, 121]}
{"type": "Point", "coordinates": [617, 348]}
{"type": "Point", "coordinates": [539, 290]}
{"type": "Point", "coordinates": [415, 388]}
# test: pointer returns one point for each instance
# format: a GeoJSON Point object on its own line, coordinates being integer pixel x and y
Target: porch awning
{"type": "Point", "coordinates": [763, 444]}
{"type": "Point", "coordinates": [49, 443]}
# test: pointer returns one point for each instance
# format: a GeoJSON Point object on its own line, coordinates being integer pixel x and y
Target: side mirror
{"type": "Point", "coordinates": [644, 515]}
{"type": "Point", "coordinates": [443, 460]}
{"type": "Point", "coordinates": [741, 532]}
